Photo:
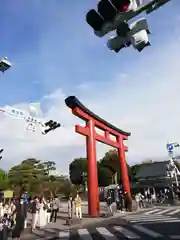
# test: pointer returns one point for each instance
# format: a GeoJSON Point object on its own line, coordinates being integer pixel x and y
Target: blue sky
{"type": "Point", "coordinates": [55, 54]}
{"type": "Point", "coordinates": [51, 46]}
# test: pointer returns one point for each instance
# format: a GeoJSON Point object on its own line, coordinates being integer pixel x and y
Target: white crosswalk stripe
{"type": "Point", "coordinates": [147, 231]}
{"type": "Point", "coordinates": [106, 234]}
{"type": "Point", "coordinates": [163, 211]}
{"type": "Point", "coordinates": [84, 234]}
{"type": "Point", "coordinates": [64, 234]}
{"type": "Point", "coordinates": [126, 232]}
{"type": "Point", "coordinates": [167, 211]}
{"type": "Point", "coordinates": [143, 218]}
{"type": "Point", "coordinates": [152, 211]}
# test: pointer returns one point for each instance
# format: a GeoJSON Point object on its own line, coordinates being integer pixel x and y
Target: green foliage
{"type": "Point", "coordinates": [3, 180]}
{"type": "Point", "coordinates": [76, 169]}
{"type": "Point", "coordinates": [35, 176]}
{"type": "Point", "coordinates": [106, 167]}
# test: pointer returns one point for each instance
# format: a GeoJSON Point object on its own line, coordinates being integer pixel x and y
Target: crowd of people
{"type": "Point", "coordinates": [13, 215]}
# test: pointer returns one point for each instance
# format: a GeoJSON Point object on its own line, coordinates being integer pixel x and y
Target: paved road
{"type": "Point", "coordinates": [157, 222]}
{"type": "Point", "coordinates": [149, 224]}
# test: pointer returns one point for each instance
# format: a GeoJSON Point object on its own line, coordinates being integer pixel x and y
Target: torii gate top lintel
{"type": "Point", "coordinates": [81, 111]}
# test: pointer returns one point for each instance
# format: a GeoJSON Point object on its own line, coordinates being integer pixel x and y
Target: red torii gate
{"type": "Point", "coordinates": [92, 121]}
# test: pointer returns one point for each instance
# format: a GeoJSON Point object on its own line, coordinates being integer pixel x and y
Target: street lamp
{"type": "Point", "coordinates": [170, 148]}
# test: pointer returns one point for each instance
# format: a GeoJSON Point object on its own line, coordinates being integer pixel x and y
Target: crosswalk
{"type": "Point", "coordinates": [134, 231]}
{"type": "Point", "coordinates": [169, 211]}
{"type": "Point", "coordinates": [153, 216]}
{"type": "Point", "coordinates": [139, 227]}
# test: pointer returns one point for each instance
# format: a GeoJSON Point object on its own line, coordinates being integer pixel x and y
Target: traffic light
{"type": "Point", "coordinates": [139, 34]}
{"type": "Point", "coordinates": [4, 64]}
{"type": "Point", "coordinates": [1, 152]}
{"type": "Point", "coordinates": [52, 125]}
{"type": "Point", "coordinates": [110, 14]}
{"type": "Point", "coordinates": [135, 34]}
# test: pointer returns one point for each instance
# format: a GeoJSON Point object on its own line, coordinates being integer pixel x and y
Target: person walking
{"type": "Point", "coordinates": [42, 213]}
{"type": "Point", "coordinates": [117, 199]}
{"type": "Point", "coordinates": [21, 215]}
{"type": "Point", "coordinates": [70, 206]}
{"type": "Point", "coordinates": [48, 211]}
{"type": "Point", "coordinates": [78, 202]}
{"type": "Point", "coordinates": [55, 208]}
{"type": "Point", "coordinates": [35, 212]}
{"type": "Point", "coordinates": [109, 201]}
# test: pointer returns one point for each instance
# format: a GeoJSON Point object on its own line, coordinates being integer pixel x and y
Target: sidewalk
{"type": "Point", "coordinates": [53, 229]}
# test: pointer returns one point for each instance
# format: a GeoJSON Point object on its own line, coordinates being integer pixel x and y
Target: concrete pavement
{"type": "Point", "coordinates": [156, 222]}
{"type": "Point", "coordinates": [53, 229]}
{"type": "Point", "coordinates": [147, 224]}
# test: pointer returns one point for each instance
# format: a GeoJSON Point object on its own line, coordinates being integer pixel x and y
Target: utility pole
{"type": "Point", "coordinates": [170, 148]}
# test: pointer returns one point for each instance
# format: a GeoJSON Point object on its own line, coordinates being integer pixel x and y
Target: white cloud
{"type": "Point", "coordinates": [149, 109]}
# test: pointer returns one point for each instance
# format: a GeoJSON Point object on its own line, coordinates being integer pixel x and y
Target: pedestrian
{"type": "Point", "coordinates": [126, 201]}
{"type": "Point", "coordinates": [21, 215]}
{"type": "Point", "coordinates": [70, 206]}
{"type": "Point", "coordinates": [35, 212]}
{"type": "Point", "coordinates": [117, 199]}
{"type": "Point", "coordinates": [55, 208]}
{"type": "Point", "coordinates": [42, 213]}
{"type": "Point", "coordinates": [109, 201]}
{"type": "Point", "coordinates": [78, 202]}
{"type": "Point", "coordinates": [5, 225]}
{"type": "Point", "coordinates": [48, 211]}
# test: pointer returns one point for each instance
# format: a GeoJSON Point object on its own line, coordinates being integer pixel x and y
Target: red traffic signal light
{"type": "Point", "coordinates": [121, 5]}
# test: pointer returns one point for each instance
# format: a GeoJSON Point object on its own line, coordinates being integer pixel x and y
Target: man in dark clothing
{"type": "Point", "coordinates": [55, 208]}
{"type": "Point", "coordinates": [121, 199]}
{"type": "Point", "coordinates": [21, 215]}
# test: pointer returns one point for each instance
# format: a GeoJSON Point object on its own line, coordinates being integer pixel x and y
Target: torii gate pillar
{"type": "Point", "coordinates": [92, 136]}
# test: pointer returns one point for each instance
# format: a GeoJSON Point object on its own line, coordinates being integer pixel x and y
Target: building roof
{"type": "Point", "coordinates": [155, 169]}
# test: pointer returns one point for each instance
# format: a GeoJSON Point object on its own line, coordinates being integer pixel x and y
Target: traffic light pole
{"type": "Point", "coordinates": [170, 147]}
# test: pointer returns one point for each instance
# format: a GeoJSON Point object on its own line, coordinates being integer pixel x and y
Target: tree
{"type": "Point", "coordinates": [3, 180]}
{"type": "Point", "coordinates": [34, 176]}
{"type": "Point", "coordinates": [76, 169]}
{"type": "Point", "coordinates": [112, 162]}
{"type": "Point", "coordinates": [147, 161]}
{"type": "Point", "coordinates": [104, 176]}
{"type": "Point", "coordinates": [133, 171]}
{"type": "Point", "coordinates": [49, 166]}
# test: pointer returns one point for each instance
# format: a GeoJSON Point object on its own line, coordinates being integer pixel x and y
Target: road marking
{"type": "Point", "coordinates": [155, 222]}
{"type": "Point", "coordinates": [152, 211]}
{"type": "Point", "coordinates": [64, 234]}
{"type": "Point", "coordinates": [127, 233]}
{"type": "Point", "coordinates": [84, 234]}
{"type": "Point", "coordinates": [174, 212]}
{"type": "Point", "coordinates": [149, 218]}
{"type": "Point", "coordinates": [106, 234]}
{"type": "Point", "coordinates": [146, 217]}
{"type": "Point", "coordinates": [147, 231]}
{"type": "Point", "coordinates": [164, 211]}
{"type": "Point", "coordinates": [175, 236]}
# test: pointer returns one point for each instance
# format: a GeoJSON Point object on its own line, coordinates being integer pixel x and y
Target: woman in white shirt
{"type": "Point", "coordinates": [1, 209]}
{"type": "Point", "coordinates": [48, 211]}
{"type": "Point", "coordinates": [42, 213]}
